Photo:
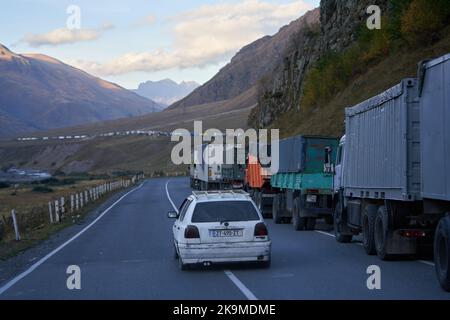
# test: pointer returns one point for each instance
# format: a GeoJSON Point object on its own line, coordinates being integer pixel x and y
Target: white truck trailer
{"type": "Point", "coordinates": [392, 174]}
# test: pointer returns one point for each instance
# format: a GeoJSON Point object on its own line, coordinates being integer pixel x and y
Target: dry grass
{"type": "Point", "coordinates": [33, 216]}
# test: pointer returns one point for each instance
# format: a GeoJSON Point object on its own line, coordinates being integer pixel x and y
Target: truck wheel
{"type": "Point", "coordinates": [381, 233]}
{"type": "Point", "coordinates": [276, 208]}
{"type": "Point", "coordinates": [338, 224]}
{"type": "Point", "coordinates": [329, 219]}
{"type": "Point", "coordinates": [311, 224]}
{"type": "Point", "coordinates": [298, 222]}
{"type": "Point", "coordinates": [442, 253]}
{"type": "Point", "coordinates": [258, 200]}
{"type": "Point", "coordinates": [368, 226]}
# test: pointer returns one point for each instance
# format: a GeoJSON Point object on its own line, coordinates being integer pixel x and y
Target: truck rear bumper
{"type": "Point", "coordinates": [315, 212]}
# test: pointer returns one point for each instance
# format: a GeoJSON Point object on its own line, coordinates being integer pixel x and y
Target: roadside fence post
{"type": "Point", "coordinates": [50, 211]}
{"type": "Point", "coordinates": [16, 227]}
{"type": "Point", "coordinates": [57, 211]}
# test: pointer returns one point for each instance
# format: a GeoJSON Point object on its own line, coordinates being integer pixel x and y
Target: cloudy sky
{"type": "Point", "coordinates": [132, 41]}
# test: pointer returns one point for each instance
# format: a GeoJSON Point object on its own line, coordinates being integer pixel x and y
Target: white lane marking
{"type": "Point", "coordinates": [247, 293]}
{"type": "Point", "coordinates": [325, 233]}
{"type": "Point", "coordinates": [48, 256]}
{"type": "Point", "coordinates": [168, 196]}
{"type": "Point", "coordinates": [427, 262]}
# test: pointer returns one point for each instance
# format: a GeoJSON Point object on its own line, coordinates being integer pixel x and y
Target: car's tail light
{"type": "Point", "coordinates": [191, 232]}
{"type": "Point", "coordinates": [261, 230]}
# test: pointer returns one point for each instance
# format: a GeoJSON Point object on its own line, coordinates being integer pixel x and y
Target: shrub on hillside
{"type": "Point", "coordinates": [423, 19]}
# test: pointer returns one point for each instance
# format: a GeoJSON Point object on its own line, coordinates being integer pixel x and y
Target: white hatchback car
{"type": "Point", "coordinates": [220, 227]}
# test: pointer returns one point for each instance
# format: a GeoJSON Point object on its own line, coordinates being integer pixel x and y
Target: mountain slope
{"type": "Point", "coordinates": [166, 92]}
{"type": "Point", "coordinates": [38, 92]}
{"type": "Point", "coordinates": [343, 63]}
{"type": "Point", "coordinates": [247, 66]}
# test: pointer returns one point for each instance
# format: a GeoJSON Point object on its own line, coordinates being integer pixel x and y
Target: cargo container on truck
{"type": "Point", "coordinates": [208, 175]}
{"type": "Point", "coordinates": [392, 174]}
{"type": "Point", "coordinates": [304, 182]}
{"type": "Point", "coordinates": [257, 183]}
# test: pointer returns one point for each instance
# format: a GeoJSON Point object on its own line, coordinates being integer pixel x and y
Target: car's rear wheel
{"type": "Point", "coordinates": [175, 252]}
{"type": "Point", "coordinates": [183, 266]}
{"type": "Point", "coordinates": [266, 264]}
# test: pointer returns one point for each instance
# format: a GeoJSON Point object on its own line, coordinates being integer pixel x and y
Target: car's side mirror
{"type": "Point", "coordinates": [172, 215]}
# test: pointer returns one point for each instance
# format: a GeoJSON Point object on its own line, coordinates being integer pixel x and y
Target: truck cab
{"type": "Point", "coordinates": [339, 167]}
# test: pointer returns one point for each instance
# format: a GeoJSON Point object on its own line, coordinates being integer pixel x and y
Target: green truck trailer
{"type": "Point", "coordinates": [304, 182]}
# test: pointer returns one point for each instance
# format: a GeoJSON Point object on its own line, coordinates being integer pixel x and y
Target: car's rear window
{"type": "Point", "coordinates": [220, 211]}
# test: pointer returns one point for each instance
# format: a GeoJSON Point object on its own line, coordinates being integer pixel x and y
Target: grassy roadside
{"type": "Point", "coordinates": [33, 215]}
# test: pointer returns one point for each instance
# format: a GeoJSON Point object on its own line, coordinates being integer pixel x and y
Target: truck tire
{"type": "Point", "coordinates": [338, 224]}
{"type": "Point", "coordinates": [298, 222]}
{"type": "Point", "coordinates": [442, 253]}
{"type": "Point", "coordinates": [276, 210]}
{"type": "Point", "coordinates": [368, 228]}
{"type": "Point", "coordinates": [258, 200]}
{"type": "Point", "coordinates": [311, 224]}
{"type": "Point", "coordinates": [329, 219]}
{"type": "Point", "coordinates": [381, 233]}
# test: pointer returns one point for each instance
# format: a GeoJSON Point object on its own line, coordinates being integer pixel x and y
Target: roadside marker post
{"type": "Point", "coordinates": [77, 202]}
{"type": "Point", "coordinates": [81, 200]}
{"type": "Point", "coordinates": [50, 211]}
{"type": "Point", "coordinates": [16, 227]}
{"type": "Point", "coordinates": [57, 211]}
{"type": "Point", "coordinates": [72, 203]}
{"type": "Point", "coordinates": [63, 209]}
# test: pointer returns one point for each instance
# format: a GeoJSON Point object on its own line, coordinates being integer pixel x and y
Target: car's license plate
{"type": "Point", "coordinates": [311, 198]}
{"type": "Point", "coordinates": [226, 233]}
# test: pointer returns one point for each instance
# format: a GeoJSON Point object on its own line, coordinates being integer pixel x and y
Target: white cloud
{"type": "Point", "coordinates": [206, 36]}
{"type": "Point", "coordinates": [147, 20]}
{"type": "Point", "coordinates": [65, 36]}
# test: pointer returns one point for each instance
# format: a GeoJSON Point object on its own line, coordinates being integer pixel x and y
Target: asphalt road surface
{"type": "Point", "coordinates": [126, 253]}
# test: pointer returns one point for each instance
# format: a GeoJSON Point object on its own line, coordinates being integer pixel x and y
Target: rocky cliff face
{"type": "Point", "coordinates": [338, 28]}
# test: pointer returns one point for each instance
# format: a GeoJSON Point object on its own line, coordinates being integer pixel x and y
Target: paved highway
{"type": "Point", "coordinates": [126, 253]}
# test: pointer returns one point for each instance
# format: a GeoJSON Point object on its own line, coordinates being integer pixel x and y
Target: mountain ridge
{"type": "Point", "coordinates": [166, 91]}
{"type": "Point", "coordinates": [39, 92]}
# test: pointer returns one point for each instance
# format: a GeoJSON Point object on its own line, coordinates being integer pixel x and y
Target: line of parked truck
{"type": "Point", "coordinates": [387, 178]}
